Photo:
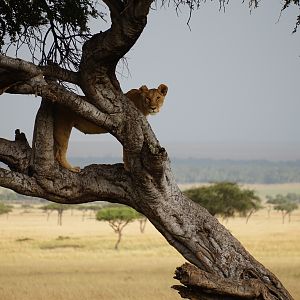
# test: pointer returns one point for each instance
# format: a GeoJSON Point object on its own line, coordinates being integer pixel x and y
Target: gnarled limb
{"type": "Point", "coordinates": [16, 154]}
{"type": "Point", "coordinates": [199, 284]}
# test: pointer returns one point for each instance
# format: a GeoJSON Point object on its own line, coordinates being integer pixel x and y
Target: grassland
{"type": "Point", "coordinates": [40, 260]}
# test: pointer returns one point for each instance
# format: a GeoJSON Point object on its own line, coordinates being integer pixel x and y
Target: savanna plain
{"type": "Point", "coordinates": [42, 261]}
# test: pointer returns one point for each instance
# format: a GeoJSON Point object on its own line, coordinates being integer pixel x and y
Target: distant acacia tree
{"type": "Point", "coordinates": [117, 217]}
{"type": "Point", "coordinates": [26, 208]}
{"type": "Point", "coordinates": [85, 208]}
{"type": "Point", "coordinates": [59, 208]}
{"type": "Point", "coordinates": [65, 53]}
{"type": "Point", "coordinates": [5, 209]}
{"type": "Point", "coordinates": [286, 204]}
{"type": "Point", "coordinates": [143, 221]}
{"type": "Point", "coordinates": [226, 199]}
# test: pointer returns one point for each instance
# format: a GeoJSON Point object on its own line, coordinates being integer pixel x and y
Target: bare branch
{"type": "Point", "coordinates": [109, 47]}
{"type": "Point", "coordinates": [19, 65]}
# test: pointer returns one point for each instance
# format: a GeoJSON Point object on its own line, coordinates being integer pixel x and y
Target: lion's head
{"type": "Point", "coordinates": [153, 98]}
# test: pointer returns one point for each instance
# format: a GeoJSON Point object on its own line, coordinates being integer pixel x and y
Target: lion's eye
{"type": "Point", "coordinates": [157, 98]}
{"type": "Point", "coordinates": [148, 100]}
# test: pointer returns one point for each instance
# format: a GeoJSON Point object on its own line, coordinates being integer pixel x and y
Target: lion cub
{"type": "Point", "coordinates": [148, 101]}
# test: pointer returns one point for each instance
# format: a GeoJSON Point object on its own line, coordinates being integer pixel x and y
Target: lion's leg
{"type": "Point", "coordinates": [63, 123]}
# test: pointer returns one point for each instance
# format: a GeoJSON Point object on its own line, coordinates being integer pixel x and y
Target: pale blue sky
{"type": "Point", "coordinates": [234, 78]}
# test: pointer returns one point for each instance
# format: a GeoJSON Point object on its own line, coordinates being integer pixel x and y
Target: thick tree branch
{"type": "Point", "coordinates": [108, 47]}
{"type": "Point", "coordinates": [94, 183]}
{"type": "Point", "coordinates": [61, 74]}
{"type": "Point", "coordinates": [20, 183]}
{"type": "Point", "coordinates": [14, 70]}
{"type": "Point", "coordinates": [115, 6]}
{"type": "Point", "coordinates": [198, 282]}
{"type": "Point", "coordinates": [19, 65]}
{"type": "Point", "coordinates": [16, 154]}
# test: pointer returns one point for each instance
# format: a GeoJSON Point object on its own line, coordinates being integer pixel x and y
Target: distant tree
{"type": "Point", "coordinates": [85, 208]}
{"type": "Point", "coordinates": [26, 208]}
{"type": "Point", "coordinates": [252, 204]}
{"type": "Point", "coordinates": [143, 221]}
{"type": "Point", "coordinates": [46, 210]}
{"type": "Point", "coordinates": [226, 199]}
{"type": "Point", "coordinates": [293, 197]}
{"type": "Point", "coordinates": [269, 205]}
{"type": "Point", "coordinates": [117, 217]}
{"type": "Point", "coordinates": [60, 208]}
{"type": "Point", "coordinates": [5, 209]}
{"type": "Point", "coordinates": [286, 204]}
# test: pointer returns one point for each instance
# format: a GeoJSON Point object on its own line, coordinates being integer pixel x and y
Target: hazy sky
{"type": "Point", "coordinates": [234, 78]}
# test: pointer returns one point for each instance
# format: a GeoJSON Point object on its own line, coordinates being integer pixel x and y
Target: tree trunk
{"type": "Point", "coordinates": [59, 217]}
{"type": "Point", "coordinates": [143, 223]}
{"type": "Point", "coordinates": [222, 267]}
{"type": "Point", "coordinates": [119, 233]}
{"type": "Point", "coordinates": [249, 215]}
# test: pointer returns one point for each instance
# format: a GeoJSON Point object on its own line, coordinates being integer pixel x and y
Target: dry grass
{"type": "Point", "coordinates": [42, 261]}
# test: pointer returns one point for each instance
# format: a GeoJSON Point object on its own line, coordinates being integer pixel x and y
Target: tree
{"type": "Point", "coordinates": [226, 199]}
{"type": "Point", "coordinates": [85, 208]}
{"type": "Point", "coordinates": [60, 208]}
{"type": "Point", "coordinates": [143, 221]}
{"type": "Point", "coordinates": [5, 209]}
{"type": "Point", "coordinates": [117, 217]}
{"type": "Point", "coordinates": [53, 34]}
{"type": "Point", "coordinates": [26, 208]}
{"type": "Point", "coordinates": [286, 204]}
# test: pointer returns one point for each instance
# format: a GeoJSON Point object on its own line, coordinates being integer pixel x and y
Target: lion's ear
{"type": "Point", "coordinates": [143, 88]}
{"type": "Point", "coordinates": [163, 89]}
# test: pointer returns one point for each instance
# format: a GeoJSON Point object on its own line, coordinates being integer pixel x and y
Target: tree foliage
{"type": "Point", "coordinates": [117, 217]}
{"type": "Point", "coordinates": [85, 208]}
{"type": "Point", "coordinates": [53, 30]}
{"type": "Point", "coordinates": [284, 203]}
{"type": "Point", "coordinates": [59, 208]}
{"type": "Point", "coordinates": [225, 199]}
{"type": "Point", "coordinates": [5, 209]}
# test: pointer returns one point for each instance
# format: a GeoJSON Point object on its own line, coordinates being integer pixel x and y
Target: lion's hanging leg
{"type": "Point", "coordinates": [62, 130]}
{"type": "Point", "coordinates": [60, 156]}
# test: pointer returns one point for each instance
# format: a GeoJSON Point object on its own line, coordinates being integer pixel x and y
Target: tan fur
{"type": "Point", "coordinates": [148, 101]}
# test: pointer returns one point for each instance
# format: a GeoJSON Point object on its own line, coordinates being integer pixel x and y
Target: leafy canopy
{"type": "Point", "coordinates": [284, 203]}
{"type": "Point", "coordinates": [117, 213]}
{"type": "Point", "coordinates": [225, 199]}
{"type": "Point", "coordinates": [54, 28]}
{"type": "Point", "coordinates": [55, 206]}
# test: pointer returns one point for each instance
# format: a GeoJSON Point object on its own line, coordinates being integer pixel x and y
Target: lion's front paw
{"type": "Point", "coordinates": [75, 169]}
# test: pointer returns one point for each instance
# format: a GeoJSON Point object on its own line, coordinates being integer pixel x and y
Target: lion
{"type": "Point", "coordinates": [148, 101]}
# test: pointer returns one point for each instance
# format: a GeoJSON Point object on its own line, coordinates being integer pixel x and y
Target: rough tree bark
{"type": "Point", "coordinates": [222, 269]}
